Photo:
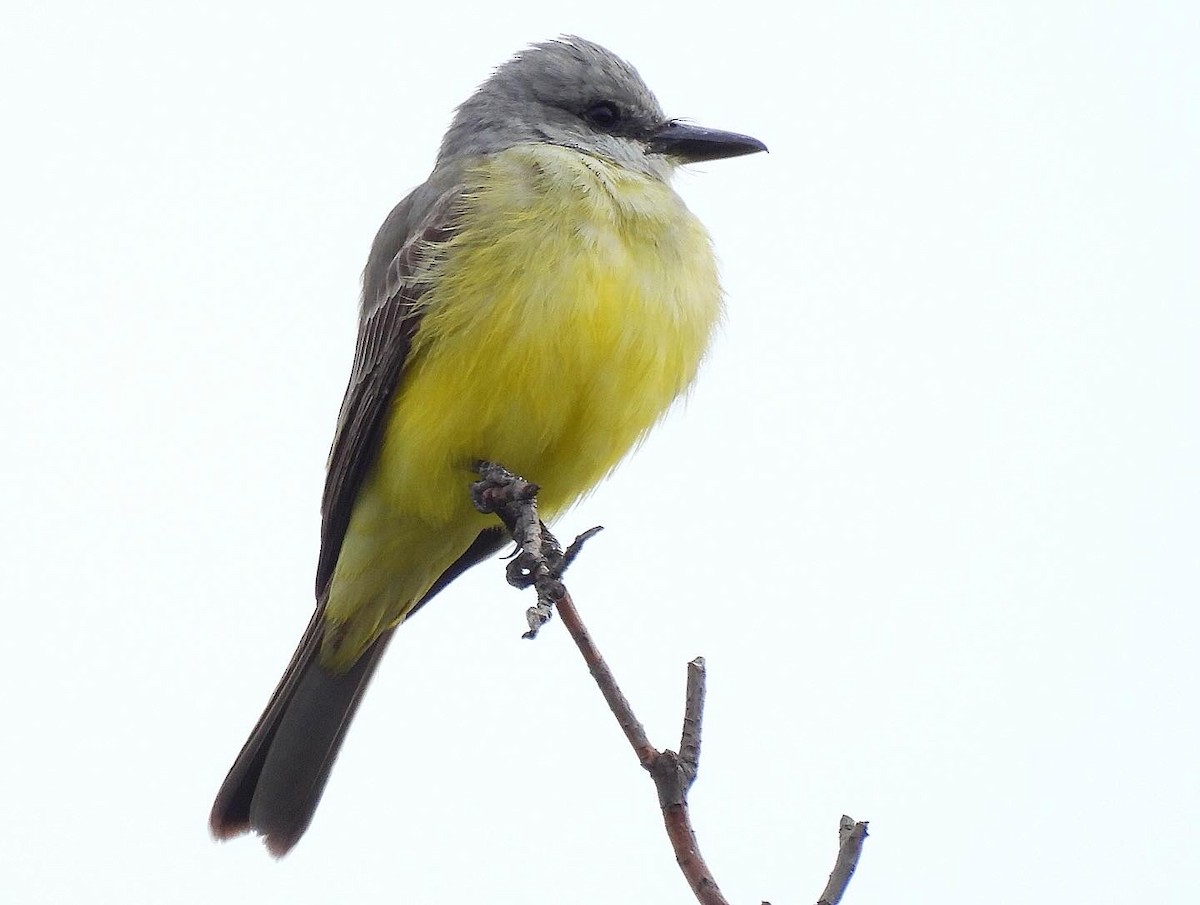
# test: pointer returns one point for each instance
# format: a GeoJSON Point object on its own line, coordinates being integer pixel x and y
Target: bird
{"type": "Point", "coordinates": [538, 302]}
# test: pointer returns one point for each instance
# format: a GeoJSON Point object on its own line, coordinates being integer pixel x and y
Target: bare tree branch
{"type": "Point", "coordinates": [607, 683]}
{"type": "Point", "coordinates": [540, 563]}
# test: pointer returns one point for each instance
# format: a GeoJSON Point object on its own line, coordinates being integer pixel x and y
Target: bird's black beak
{"type": "Point", "coordinates": [693, 144]}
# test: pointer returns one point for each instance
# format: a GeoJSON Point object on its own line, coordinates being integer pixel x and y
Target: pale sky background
{"type": "Point", "coordinates": [930, 513]}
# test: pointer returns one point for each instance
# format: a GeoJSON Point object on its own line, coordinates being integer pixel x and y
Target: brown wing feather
{"type": "Point", "coordinates": [384, 338]}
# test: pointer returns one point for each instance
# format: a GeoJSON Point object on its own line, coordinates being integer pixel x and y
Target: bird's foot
{"type": "Point", "coordinates": [540, 560]}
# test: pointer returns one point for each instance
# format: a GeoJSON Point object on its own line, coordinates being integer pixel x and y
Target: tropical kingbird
{"type": "Point", "coordinates": [538, 302]}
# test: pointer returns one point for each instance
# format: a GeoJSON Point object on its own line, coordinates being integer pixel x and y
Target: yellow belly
{"type": "Point", "coordinates": [561, 322]}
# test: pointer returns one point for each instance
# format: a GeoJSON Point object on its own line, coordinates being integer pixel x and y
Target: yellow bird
{"type": "Point", "coordinates": [538, 302]}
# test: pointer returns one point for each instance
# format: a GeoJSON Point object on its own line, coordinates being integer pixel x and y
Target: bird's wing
{"type": "Point", "coordinates": [390, 315]}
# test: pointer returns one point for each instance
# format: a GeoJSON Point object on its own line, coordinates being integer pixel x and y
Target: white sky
{"type": "Point", "coordinates": [930, 513]}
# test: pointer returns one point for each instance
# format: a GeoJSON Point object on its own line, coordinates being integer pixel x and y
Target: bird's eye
{"type": "Point", "coordinates": [603, 114]}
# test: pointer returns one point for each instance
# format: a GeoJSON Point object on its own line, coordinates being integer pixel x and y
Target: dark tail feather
{"type": "Point", "coordinates": [275, 783]}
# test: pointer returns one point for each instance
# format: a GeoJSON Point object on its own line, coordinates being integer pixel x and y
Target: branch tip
{"type": "Point", "coordinates": [693, 717]}
{"type": "Point", "coordinates": [851, 835]}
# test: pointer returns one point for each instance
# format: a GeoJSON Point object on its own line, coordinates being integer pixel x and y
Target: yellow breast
{"type": "Point", "coordinates": [573, 307]}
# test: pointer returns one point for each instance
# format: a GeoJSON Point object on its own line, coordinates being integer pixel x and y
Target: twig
{"type": "Point", "coordinates": [540, 563]}
{"type": "Point", "coordinates": [607, 683]}
{"type": "Point", "coordinates": [851, 835]}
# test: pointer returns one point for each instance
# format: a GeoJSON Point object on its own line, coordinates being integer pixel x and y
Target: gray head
{"type": "Point", "coordinates": [574, 93]}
